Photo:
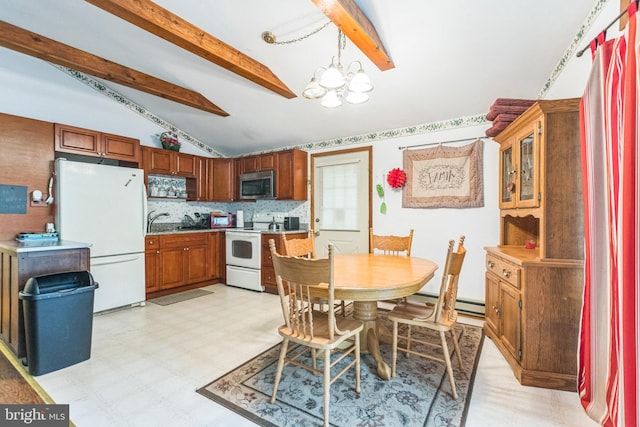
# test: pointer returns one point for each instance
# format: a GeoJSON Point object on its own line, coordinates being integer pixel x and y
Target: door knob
{"type": "Point", "coordinates": [316, 233]}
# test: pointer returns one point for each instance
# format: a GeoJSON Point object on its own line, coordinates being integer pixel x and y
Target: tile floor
{"type": "Point", "coordinates": [147, 362]}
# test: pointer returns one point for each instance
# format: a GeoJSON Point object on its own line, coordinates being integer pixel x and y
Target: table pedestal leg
{"type": "Point", "coordinates": [366, 312]}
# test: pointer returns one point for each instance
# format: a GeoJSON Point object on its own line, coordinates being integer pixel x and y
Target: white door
{"type": "Point", "coordinates": [341, 200]}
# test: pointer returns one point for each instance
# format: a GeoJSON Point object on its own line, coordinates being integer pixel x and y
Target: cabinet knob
{"type": "Point", "coordinates": [490, 264]}
{"type": "Point", "coordinates": [157, 252]}
{"type": "Point", "coordinates": [151, 242]}
{"type": "Point", "coordinates": [505, 272]}
{"type": "Point", "coordinates": [495, 308]}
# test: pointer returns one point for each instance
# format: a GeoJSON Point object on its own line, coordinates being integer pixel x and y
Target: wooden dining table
{"type": "Point", "coordinates": [366, 279]}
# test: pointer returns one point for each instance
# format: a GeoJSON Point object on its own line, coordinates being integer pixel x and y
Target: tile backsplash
{"type": "Point", "coordinates": [178, 208]}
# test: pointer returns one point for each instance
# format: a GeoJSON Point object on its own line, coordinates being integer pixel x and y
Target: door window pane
{"type": "Point", "coordinates": [340, 197]}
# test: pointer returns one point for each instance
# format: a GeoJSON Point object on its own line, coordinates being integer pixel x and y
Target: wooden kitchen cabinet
{"type": "Point", "coordinates": [267, 272]}
{"type": "Point", "coordinates": [257, 163]}
{"type": "Point", "coordinates": [291, 175]}
{"type": "Point", "coordinates": [533, 278]}
{"type": "Point", "coordinates": [181, 261]}
{"type": "Point", "coordinates": [17, 267]}
{"type": "Point", "coordinates": [152, 264]}
{"type": "Point", "coordinates": [70, 139]}
{"type": "Point", "coordinates": [222, 179]}
{"type": "Point", "coordinates": [167, 162]}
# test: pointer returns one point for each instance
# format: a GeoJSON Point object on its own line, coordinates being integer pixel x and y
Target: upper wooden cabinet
{"type": "Point", "coordinates": [257, 163]}
{"type": "Point", "coordinates": [222, 179]}
{"type": "Point", "coordinates": [540, 193]}
{"type": "Point", "coordinates": [167, 162]}
{"type": "Point", "coordinates": [69, 139]}
{"type": "Point", "coordinates": [291, 175]}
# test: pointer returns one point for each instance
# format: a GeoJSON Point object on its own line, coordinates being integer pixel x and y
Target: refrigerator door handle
{"type": "Point", "coordinates": [145, 210]}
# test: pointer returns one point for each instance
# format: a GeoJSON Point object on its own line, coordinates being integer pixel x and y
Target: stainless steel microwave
{"type": "Point", "coordinates": [257, 185]}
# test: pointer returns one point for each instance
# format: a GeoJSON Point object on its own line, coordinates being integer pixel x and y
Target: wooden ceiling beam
{"type": "Point", "coordinates": [163, 23]}
{"type": "Point", "coordinates": [32, 44]}
{"type": "Point", "coordinates": [348, 16]}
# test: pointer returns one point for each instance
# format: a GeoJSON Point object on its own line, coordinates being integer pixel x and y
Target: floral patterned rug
{"type": "Point", "coordinates": [419, 394]}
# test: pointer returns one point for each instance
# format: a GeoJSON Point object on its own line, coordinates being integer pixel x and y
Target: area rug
{"type": "Point", "coordinates": [180, 296]}
{"type": "Point", "coordinates": [419, 394]}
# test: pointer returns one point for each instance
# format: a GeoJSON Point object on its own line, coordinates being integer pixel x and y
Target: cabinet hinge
{"type": "Point", "coordinates": [539, 196]}
{"type": "Point", "coordinates": [519, 354]}
{"type": "Point", "coordinates": [520, 304]}
{"type": "Point", "coordinates": [539, 129]}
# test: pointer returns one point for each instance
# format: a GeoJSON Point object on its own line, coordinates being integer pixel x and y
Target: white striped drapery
{"type": "Point", "coordinates": [608, 362]}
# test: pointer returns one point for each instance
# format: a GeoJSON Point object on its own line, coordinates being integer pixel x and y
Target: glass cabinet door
{"type": "Point", "coordinates": [527, 192]}
{"type": "Point", "coordinates": [527, 169]}
{"type": "Point", "coordinates": [507, 178]}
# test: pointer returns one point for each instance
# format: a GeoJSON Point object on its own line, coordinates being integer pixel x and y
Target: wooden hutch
{"type": "Point", "coordinates": [534, 277]}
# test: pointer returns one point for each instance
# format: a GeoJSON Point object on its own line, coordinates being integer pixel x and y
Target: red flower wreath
{"type": "Point", "coordinates": [396, 178]}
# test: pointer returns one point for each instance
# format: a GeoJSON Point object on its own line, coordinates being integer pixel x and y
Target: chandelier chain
{"type": "Point", "coordinates": [317, 30]}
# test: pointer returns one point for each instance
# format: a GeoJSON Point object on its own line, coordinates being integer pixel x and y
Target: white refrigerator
{"type": "Point", "coordinates": [105, 206]}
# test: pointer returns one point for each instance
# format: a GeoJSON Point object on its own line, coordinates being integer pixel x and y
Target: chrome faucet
{"type": "Point", "coordinates": [151, 219]}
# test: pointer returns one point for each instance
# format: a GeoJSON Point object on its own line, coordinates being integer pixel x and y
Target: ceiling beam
{"type": "Point", "coordinates": [348, 16]}
{"type": "Point", "coordinates": [33, 44]}
{"type": "Point", "coordinates": [163, 23]}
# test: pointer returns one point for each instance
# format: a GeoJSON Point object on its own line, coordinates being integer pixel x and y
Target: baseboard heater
{"type": "Point", "coordinates": [472, 308]}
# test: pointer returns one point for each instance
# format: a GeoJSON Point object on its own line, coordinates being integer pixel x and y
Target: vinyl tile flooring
{"type": "Point", "coordinates": [146, 363]}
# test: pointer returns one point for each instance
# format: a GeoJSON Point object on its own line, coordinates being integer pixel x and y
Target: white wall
{"type": "Point", "coordinates": [433, 228]}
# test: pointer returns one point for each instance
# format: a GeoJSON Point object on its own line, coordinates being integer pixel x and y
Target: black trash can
{"type": "Point", "coordinates": [58, 320]}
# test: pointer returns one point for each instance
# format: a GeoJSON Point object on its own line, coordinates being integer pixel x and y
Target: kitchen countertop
{"type": "Point", "coordinates": [41, 245]}
{"type": "Point", "coordinates": [181, 231]}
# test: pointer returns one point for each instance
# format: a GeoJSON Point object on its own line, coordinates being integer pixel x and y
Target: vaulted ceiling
{"type": "Point", "coordinates": [205, 68]}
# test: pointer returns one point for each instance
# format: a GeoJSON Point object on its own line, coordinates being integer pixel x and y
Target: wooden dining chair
{"type": "Point", "coordinates": [440, 317]}
{"type": "Point", "coordinates": [299, 280]}
{"type": "Point", "coordinates": [305, 248]}
{"type": "Point", "coordinates": [391, 245]}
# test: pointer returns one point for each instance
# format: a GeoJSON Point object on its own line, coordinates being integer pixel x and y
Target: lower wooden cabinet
{"type": "Point", "coordinates": [180, 261]}
{"type": "Point", "coordinates": [532, 313]}
{"type": "Point", "coordinates": [268, 275]}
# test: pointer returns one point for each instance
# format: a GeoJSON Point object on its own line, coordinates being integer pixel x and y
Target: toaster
{"type": "Point", "coordinates": [291, 223]}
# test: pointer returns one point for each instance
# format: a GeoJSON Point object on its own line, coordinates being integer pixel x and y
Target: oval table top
{"type": "Point", "coordinates": [373, 277]}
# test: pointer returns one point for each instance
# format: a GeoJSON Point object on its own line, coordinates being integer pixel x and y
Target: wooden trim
{"type": "Point", "coordinates": [163, 23]}
{"type": "Point", "coordinates": [38, 46]}
{"type": "Point", "coordinates": [624, 18]}
{"type": "Point", "coordinates": [353, 22]}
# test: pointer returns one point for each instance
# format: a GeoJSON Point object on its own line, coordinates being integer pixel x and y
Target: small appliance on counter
{"type": "Point", "coordinates": [291, 223]}
{"type": "Point", "coordinates": [239, 219]}
{"type": "Point", "coordinates": [222, 220]}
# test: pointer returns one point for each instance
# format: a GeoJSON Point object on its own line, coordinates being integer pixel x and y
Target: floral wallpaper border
{"type": "Point", "coordinates": [350, 140]}
{"type": "Point", "coordinates": [593, 14]}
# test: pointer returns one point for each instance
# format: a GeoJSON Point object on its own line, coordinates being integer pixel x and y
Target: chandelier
{"type": "Point", "coordinates": [335, 84]}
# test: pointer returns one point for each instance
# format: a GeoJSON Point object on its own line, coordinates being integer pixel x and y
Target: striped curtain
{"type": "Point", "coordinates": [608, 359]}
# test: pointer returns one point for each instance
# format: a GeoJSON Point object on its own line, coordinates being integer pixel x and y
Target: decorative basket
{"type": "Point", "coordinates": [170, 146]}
{"type": "Point", "coordinates": [169, 141]}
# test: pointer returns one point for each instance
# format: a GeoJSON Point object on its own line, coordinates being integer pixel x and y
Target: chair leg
{"type": "Point", "coordinates": [313, 358]}
{"type": "Point", "coordinates": [447, 360]}
{"type": "Point", "coordinates": [408, 339]}
{"type": "Point", "coordinates": [357, 355]}
{"type": "Point", "coordinates": [327, 385]}
{"type": "Point", "coordinates": [394, 348]}
{"type": "Point", "coordinates": [283, 353]}
{"type": "Point", "coordinates": [456, 346]}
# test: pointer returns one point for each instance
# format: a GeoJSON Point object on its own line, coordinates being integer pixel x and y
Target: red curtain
{"type": "Point", "coordinates": [608, 374]}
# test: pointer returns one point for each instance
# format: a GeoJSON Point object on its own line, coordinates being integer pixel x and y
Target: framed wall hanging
{"type": "Point", "coordinates": [444, 177]}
